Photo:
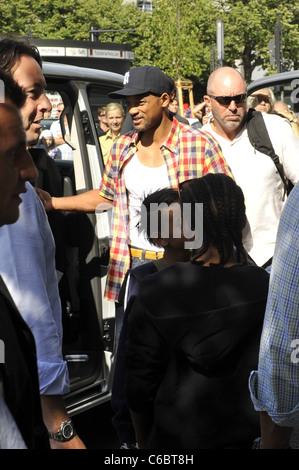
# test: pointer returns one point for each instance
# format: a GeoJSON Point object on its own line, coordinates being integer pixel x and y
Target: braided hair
{"type": "Point", "coordinates": [223, 215]}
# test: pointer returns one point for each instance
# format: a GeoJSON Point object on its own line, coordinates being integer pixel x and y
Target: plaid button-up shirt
{"type": "Point", "coordinates": [188, 153]}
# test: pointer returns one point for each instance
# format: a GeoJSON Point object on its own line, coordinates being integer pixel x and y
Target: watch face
{"type": "Point", "coordinates": [67, 431]}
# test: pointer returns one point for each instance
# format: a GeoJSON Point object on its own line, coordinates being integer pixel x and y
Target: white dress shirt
{"type": "Point", "coordinates": [27, 265]}
{"type": "Point", "coordinates": [260, 182]}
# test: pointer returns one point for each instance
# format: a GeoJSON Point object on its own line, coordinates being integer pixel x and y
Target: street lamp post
{"type": "Point", "coordinates": [220, 42]}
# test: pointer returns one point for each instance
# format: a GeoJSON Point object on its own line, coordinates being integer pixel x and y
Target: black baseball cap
{"type": "Point", "coordinates": [141, 80]}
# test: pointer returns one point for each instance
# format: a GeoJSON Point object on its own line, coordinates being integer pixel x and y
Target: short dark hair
{"type": "Point", "coordinates": [167, 196]}
{"type": "Point", "coordinates": [172, 94]}
{"type": "Point", "coordinates": [223, 214]}
{"type": "Point", "coordinates": [12, 91]}
{"type": "Point", "coordinates": [12, 48]}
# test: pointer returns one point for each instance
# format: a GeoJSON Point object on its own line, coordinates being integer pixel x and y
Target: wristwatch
{"type": "Point", "coordinates": [65, 433]}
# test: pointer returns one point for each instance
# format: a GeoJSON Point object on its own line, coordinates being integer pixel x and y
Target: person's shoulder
{"type": "Point", "coordinates": [128, 135]}
{"type": "Point", "coordinates": [281, 132]}
{"type": "Point", "coordinates": [30, 194]}
{"type": "Point", "coordinates": [143, 270]}
{"type": "Point", "coordinates": [181, 119]}
{"type": "Point", "coordinates": [126, 139]}
{"type": "Point", "coordinates": [272, 120]}
{"type": "Point", "coordinates": [135, 276]}
{"type": "Point", "coordinates": [55, 124]}
{"type": "Point", "coordinates": [202, 134]}
{"type": "Point", "coordinates": [55, 127]}
{"type": "Point", "coordinates": [168, 277]}
{"type": "Point", "coordinates": [253, 273]}
{"type": "Point", "coordinates": [184, 128]}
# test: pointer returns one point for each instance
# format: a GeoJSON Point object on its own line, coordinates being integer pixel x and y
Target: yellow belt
{"type": "Point", "coordinates": [142, 254]}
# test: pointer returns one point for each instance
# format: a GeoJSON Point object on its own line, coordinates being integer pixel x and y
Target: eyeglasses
{"type": "Point", "coordinates": [226, 100]}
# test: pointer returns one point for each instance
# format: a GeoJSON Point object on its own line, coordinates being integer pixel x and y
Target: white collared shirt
{"type": "Point", "coordinates": [256, 174]}
{"type": "Point", "coordinates": [27, 266]}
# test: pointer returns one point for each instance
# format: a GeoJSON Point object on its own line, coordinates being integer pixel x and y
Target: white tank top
{"type": "Point", "coordinates": [140, 181]}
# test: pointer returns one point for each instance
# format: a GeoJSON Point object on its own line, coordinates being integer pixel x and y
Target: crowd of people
{"type": "Point", "coordinates": [205, 332]}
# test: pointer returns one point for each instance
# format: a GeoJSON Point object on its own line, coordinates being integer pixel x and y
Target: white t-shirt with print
{"type": "Point", "coordinates": [141, 181]}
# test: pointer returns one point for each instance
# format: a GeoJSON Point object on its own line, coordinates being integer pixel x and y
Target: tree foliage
{"type": "Point", "coordinates": [71, 19]}
{"type": "Point", "coordinates": [249, 26]}
{"type": "Point", "coordinates": [178, 37]}
{"type": "Point", "coordinates": [177, 40]}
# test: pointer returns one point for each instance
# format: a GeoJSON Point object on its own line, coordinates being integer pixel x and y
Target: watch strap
{"type": "Point", "coordinates": [65, 433]}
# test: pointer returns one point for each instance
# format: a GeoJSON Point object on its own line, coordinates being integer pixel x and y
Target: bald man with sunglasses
{"type": "Point", "coordinates": [253, 171]}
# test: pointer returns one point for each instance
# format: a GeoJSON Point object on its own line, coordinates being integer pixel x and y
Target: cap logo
{"type": "Point", "coordinates": [126, 78]}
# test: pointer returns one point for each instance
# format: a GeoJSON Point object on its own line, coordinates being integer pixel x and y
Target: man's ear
{"type": "Point", "coordinates": [165, 100]}
{"type": "Point", "coordinates": [207, 100]}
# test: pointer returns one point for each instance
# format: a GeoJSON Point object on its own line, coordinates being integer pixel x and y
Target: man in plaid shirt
{"type": "Point", "coordinates": [159, 152]}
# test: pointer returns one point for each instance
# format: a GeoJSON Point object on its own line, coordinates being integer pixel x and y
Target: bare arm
{"type": "Point", "coordinates": [295, 127]}
{"type": "Point", "coordinates": [291, 116]}
{"type": "Point", "coordinates": [54, 413]}
{"type": "Point", "coordinates": [59, 140]}
{"type": "Point", "coordinates": [85, 202]}
{"type": "Point", "coordinates": [272, 435]}
{"type": "Point", "coordinates": [197, 111]}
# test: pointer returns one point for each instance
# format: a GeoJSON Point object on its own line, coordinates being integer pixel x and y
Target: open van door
{"type": "Point", "coordinates": [82, 240]}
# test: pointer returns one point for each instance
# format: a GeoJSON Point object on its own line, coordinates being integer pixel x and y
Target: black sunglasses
{"type": "Point", "coordinates": [226, 100]}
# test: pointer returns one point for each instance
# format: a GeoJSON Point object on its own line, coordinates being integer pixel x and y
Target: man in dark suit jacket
{"type": "Point", "coordinates": [19, 377]}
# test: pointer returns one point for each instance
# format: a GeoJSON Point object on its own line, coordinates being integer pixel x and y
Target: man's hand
{"type": "Point", "coordinates": [85, 202]}
{"type": "Point", "coordinates": [198, 110]}
{"type": "Point", "coordinates": [290, 115]}
{"type": "Point", "coordinates": [46, 199]}
{"type": "Point", "coordinates": [54, 413]}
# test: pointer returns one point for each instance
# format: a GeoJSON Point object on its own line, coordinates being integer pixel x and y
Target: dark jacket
{"type": "Point", "coordinates": [194, 336]}
{"type": "Point", "coordinates": [19, 374]}
{"type": "Point", "coordinates": [122, 419]}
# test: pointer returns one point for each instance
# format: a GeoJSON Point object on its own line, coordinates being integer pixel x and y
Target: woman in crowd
{"type": "Point", "coordinates": [47, 140]}
{"type": "Point", "coordinates": [115, 117]}
{"type": "Point", "coordinates": [262, 100]}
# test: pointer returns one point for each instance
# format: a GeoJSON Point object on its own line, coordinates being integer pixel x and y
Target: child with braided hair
{"type": "Point", "coordinates": [194, 333]}
{"type": "Point", "coordinates": [164, 205]}
{"type": "Point", "coordinates": [223, 214]}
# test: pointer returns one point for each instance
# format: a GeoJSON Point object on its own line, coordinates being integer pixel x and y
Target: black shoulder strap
{"type": "Point", "coordinates": [260, 140]}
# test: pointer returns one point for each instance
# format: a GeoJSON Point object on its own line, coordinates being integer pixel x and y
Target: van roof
{"type": "Point", "coordinates": [52, 69]}
{"type": "Point", "coordinates": [272, 80]}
